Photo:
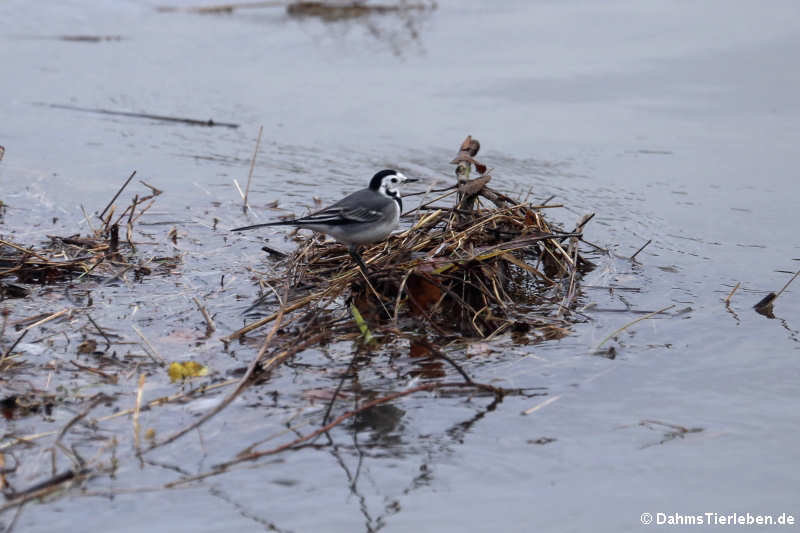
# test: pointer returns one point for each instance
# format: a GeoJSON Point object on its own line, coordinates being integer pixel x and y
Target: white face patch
{"type": "Point", "coordinates": [389, 185]}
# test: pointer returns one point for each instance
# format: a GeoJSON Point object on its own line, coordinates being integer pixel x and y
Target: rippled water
{"type": "Point", "coordinates": [671, 121]}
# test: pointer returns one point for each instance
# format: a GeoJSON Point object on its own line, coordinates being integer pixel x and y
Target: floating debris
{"type": "Point", "coordinates": [89, 38]}
{"type": "Point", "coordinates": [764, 306]}
{"type": "Point", "coordinates": [328, 11]}
{"type": "Point", "coordinates": [150, 116]}
{"type": "Point", "coordinates": [480, 266]}
{"type": "Point", "coordinates": [485, 265]}
{"type": "Point", "coordinates": [180, 370]}
{"type": "Point", "coordinates": [332, 11]}
{"type": "Point", "coordinates": [99, 255]}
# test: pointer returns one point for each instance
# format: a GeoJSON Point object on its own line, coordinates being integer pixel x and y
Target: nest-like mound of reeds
{"type": "Point", "coordinates": [482, 266]}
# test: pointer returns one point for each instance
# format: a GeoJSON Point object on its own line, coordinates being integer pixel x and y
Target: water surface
{"type": "Point", "coordinates": [671, 121]}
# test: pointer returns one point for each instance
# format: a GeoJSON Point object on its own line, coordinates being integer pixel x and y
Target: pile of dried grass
{"type": "Point", "coordinates": [102, 253]}
{"type": "Point", "coordinates": [470, 269]}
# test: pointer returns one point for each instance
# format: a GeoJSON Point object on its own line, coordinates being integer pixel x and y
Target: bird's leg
{"type": "Point", "coordinates": [357, 258]}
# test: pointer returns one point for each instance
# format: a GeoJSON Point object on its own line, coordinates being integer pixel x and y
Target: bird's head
{"type": "Point", "coordinates": [387, 182]}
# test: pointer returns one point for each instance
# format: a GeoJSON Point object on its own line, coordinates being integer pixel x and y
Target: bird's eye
{"type": "Point", "coordinates": [394, 180]}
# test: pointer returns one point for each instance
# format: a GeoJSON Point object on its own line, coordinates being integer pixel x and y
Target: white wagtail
{"type": "Point", "coordinates": [364, 217]}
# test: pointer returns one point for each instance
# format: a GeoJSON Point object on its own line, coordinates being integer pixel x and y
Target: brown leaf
{"type": "Point", "coordinates": [470, 146]}
{"type": "Point", "coordinates": [423, 294]}
{"type": "Point", "coordinates": [473, 187]}
{"type": "Point", "coordinates": [419, 349]}
{"type": "Point", "coordinates": [87, 346]}
{"type": "Point", "coordinates": [366, 304]}
{"type": "Point", "coordinates": [764, 306]}
{"type": "Point", "coordinates": [480, 167]}
{"type": "Point", "coordinates": [468, 150]}
{"type": "Point", "coordinates": [429, 370]}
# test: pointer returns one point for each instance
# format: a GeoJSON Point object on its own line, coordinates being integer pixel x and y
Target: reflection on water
{"type": "Point", "coordinates": [398, 25]}
{"type": "Point", "coordinates": [363, 462]}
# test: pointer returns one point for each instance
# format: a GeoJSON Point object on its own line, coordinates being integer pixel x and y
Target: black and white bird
{"type": "Point", "coordinates": [364, 217]}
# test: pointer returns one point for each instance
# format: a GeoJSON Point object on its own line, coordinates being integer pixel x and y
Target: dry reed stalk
{"type": "Point", "coordinates": [460, 270]}
{"type": "Point", "coordinates": [252, 167]}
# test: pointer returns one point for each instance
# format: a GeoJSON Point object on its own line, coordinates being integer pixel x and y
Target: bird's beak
{"type": "Point", "coordinates": [411, 180]}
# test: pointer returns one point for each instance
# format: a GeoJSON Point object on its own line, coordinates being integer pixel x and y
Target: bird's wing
{"type": "Point", "coordinates": [340, 215]}
{"type": "Point", "coordinates": [361, 206]}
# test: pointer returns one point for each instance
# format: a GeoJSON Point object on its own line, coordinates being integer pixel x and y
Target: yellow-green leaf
{"type": "Point", "coordinates": [361, 323]}
{"type": "Point", "coordinates": [186, 369]}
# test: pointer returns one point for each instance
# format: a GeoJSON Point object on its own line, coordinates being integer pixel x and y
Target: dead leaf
{"type": "Point", "coordinates": [473, 187]}
{"type": "Point", "coordinates": [88, 346]}
{"type": "Point", "coordinates": [423, 294]}
{"type": "Point", "coordinates": [469, 149]}
{"type": "Point", "coordinates": [470, 146]}
{"type": "Point", "coordinates": [480, 167]}
{"type": "Point", "coordinates": [764, 306]}
{"type": "Point", "coordinates": [419, 349]}
{"type": "Point", "coordinates": [429, 370]}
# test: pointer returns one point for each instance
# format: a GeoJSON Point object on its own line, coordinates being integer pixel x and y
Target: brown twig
{"type": "Point", "coordinates": [730, 294]}
{"type": "Point", "coordinates": [100, 330]}
{"type": "Point", "coordinates": [787, 284]}
{"type": "Point", "coordinates": [764, 306]}
{"type": "Point", "coordinates": [222, 8]}
{"type": "Point", "coordinates": [629, 324]}
{"type": "Point", "coordinates": [539, 405]}
{"type": "Point", "coordinates": [149, 348]}
{"type": "Point", "coordinates": [77, 462]}
{"type": "Point", "coordinates": [633, 257]}
{"type": "Point", "coordinates": [44, 488]}
{"type": "Point", "coordinates": [24, 250]}
{"type": "Point", "coordinates": [210, 326]}
{"type": "Point", "coordinates": [11, 348]}
{"type": "Point", "coordinates": [252, 456]}
{"type": "Point", "coordinates": [114, 199]}
{"type": "Point", "coordinates": [244, 382]}
{"type": "Point", "coordinates": [125, 412]}
{"type": "Point", "coordinates": [136, 410]}
{"type": "Point", "coordinates": [150, 116]}
{"type": "Point", "coordinates": [110, 378]}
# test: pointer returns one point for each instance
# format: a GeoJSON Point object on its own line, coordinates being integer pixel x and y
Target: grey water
{"type": "Point", "coordinates": [672, 121]}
